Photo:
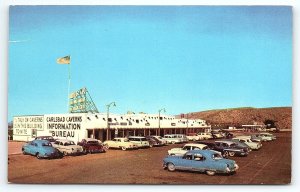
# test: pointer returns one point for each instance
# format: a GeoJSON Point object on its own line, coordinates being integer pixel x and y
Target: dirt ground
{"type": "Point", "coordinates": [270, 165]}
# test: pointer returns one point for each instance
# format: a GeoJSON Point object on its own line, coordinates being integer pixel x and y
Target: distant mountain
{"type": "Point", "coordinates": [282, 116]}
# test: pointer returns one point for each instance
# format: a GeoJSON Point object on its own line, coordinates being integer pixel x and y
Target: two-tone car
{"type": "Point", "coordinates": [206, 161]}
{"type": "Point", "coordinates": [253, 145]}
{"type": "Point", "coordinates": [140, 141]}
{"type": "Point", "coordinates": [154, 141]}
{"type": "Point", "coordinates": [172, 139]}
{"type": "Point", "coordinates": [41, 149]}
{"type": "Point", "coordinates": [68, 147]}
{"type": "Point", "coordinates": [120, 143]}
{"type": "Point", "coordinates": [232, 148]}
{"type": "Point", "coordinates": [91, 145]}
{"type": "Point", "coordinates": [204, 135]}
{"type": "Point", "coordinates": [187, 147]}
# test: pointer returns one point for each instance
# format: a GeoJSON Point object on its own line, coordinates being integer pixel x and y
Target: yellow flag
{"type": "Point", "coordinates": [64, 60]}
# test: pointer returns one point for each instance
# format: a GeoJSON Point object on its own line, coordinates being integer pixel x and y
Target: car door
{"type": "Point", "coordinates": [185, 163]}
{"type": "Point", "coordinates": [198, 163]}
{"type": "Point", "coordinates": [29, 148]}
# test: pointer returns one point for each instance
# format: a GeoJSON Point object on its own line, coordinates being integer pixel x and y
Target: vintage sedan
{"type": "Point", "coordinates": [48, 138]}
{"type": "Point", "coordinates": [91, 145]}
{"type": "Point", "coordinates": [68, 147]}
{"type": "Point", "coordinates": [120, 143]}
{"type": "Point", "coordinates": [253, 145]}
{"type": "Point", "coordinates": [41, 149]}
{"type": "Point", "coordinates": [187, 147]}
{"type": "Point", "coordinates": [140, 141]}
{"type": "Point", "coordinates": [154, 141]}
{"type": "Point", "coordinates": [205, 161]}
{"type": "Point", "coordinates": [233, 148]}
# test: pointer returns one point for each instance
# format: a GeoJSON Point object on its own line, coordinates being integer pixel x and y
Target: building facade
{"type": "Point", "coordinates": [76, 126]}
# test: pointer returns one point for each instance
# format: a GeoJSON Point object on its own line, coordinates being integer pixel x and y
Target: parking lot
{"type": "Point", "coordinates": [270, 165]}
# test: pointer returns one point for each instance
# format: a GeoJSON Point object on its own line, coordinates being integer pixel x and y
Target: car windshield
{"type": "Point", "coordinates": [126, 140]}
{"type": "Point", "coordinates": [69, 143]}
{"type": "Point", "coordinates": [217, 156]}
{"type": "Point", "coordinates": [93, 142]}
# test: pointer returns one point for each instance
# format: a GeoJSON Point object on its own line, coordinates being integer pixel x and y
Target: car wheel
{"type": "Point", "coordinates": [38, 156]}
{"type": "Point", "coordinates": [85, 151]}
{"type": "Point", "coordinates": [210, 173]}
{"type": "Point", "coordinates": [124, 148]}
{"type": "Point", "coordinates": [23, 151]}
{"type": "Point", "coordinates": [225, 154]}
{"type": "Point", "coordinates": [171, 167]}
{"type": "Point", "coordinates": [231, 153]}
{"type": "Point", "coordinates": [65, 153]}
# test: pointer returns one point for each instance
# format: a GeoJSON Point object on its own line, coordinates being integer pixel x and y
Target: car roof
{"type": "Point", "coordinates": [203, 152]}
{"type": "Point", "coordinates": [195, 144]}
{"type": "Point", "coordinates": [120, 138]}
{"type": "Point", "coordinates": [63, 140]}
{"type": "Point", "coordinates": [41, 141]}
{"type": "Point", "coordinates": [90, 139]}
{"type": "Point", "coordinates": [224, 141]}
{"type": "Point", "coordinates": [136, 137]}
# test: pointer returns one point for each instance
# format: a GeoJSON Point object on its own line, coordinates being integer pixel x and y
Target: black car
{"type": "Point", "coordinates": [227, 148]}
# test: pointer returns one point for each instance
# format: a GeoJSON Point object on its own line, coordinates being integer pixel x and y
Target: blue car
{"type": "Point", "coordinates": [206, 161]}
{"type": "Point", "coordinates": [40, 149]}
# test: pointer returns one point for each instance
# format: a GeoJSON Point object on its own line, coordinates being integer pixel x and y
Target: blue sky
{"type": "Point", "coordinates": [182, 58]}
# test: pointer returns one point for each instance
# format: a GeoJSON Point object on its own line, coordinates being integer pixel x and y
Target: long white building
{"type": "Point", "coordinates": [76, 126]}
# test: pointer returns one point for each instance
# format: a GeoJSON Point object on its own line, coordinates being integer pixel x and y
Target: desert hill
{"type": "Point", "coordinates": [282, 116]}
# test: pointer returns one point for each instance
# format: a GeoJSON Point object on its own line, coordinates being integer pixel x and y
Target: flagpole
{"type": "Point", "coordinates": [68, 110]}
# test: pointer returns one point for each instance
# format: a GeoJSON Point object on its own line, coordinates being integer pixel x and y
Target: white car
{"type": "Point", "coordinates": [67, 147]}
{"type": "Point", "coordinates": [204, 136]}
{"type": "Point", "coordinates": [193, 137]}
{"type": "Point", "coordinates": [249, 142]}
{"type": "Point", "coordinates": [172, 139]}
{"type": "Point", "coordinates": [185, 148]}
{"type": "Point", "coordinates": [141, 142]}
{"type": "Point", "coordinates": [120, 143]}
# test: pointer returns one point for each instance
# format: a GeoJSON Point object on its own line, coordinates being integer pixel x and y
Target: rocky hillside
{"type": "Point", "coordinates": [282, 116]}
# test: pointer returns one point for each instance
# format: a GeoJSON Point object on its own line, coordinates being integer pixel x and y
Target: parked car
{"type": "Point", "coordinates": [68, 147]}
{"type": "Point", "coordinates": [263, 137]}
{"type": "Point", "coordinates": [183, 137]}
{"type": "Point", "coordinates": [141, 142]}
{"type": "Point", "coordinates": [253, 145]}
{"type": "Point", "coordinates": [41, 149]}
{"type": "Point", "coordinates": [205, 161]}
{"type": "Point", "coordinates": [255, 138]}
{"type": "Point", "coordinates": [233, 148]}
{"type": "Point", "coordinates": [193, 137]}
{"type": "Point", "coordinates": [216, 135]}
{"type": "Point", "coordinates": [120, 143]}
{"type": "Point", "coordinates": [204, 135]}
{"type": "Point", "coordinates": [154, 141]}
{"type": "Point", "coordinates": [266, 134]}
{"type": "Point", "coordinates": [48, 138]}
{"type": "Point", "coordinates": [187, 147]}
{"type": "Point", "coordinates": [227, 135]}
{"type": "Point", "coordinates": [160, 138]}
{"type": "Point", "coordinates": [226, 149]}
{"type": "Point", "coordinates": [172, 139]}
{"type": "Point", "coordinates": [91, 145]}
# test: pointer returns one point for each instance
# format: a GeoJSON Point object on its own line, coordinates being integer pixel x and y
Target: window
{"type": "Point", "coordinates": [137, 121]}
{"type": "Point", "coordinates": [198, 157]}
{"type": "Point", "coordinates": [188, 156]}
{"type": "Point", "coordinates": [109, 120]}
